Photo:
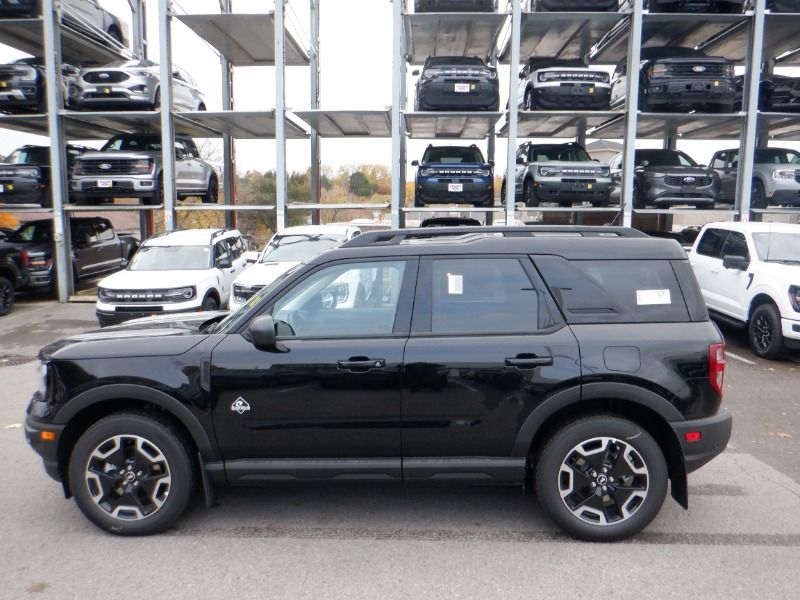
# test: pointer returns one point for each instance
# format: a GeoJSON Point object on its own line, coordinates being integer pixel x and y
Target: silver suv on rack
{"type": "Point", "coordinates": [130, 165]}
{"type": "Point", "coordinates": [132, 84]}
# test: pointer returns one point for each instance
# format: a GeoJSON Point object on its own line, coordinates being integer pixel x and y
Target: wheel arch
{"type": "Point", "coordinates": [89, 407]}
{"type": "Point", "coordinates": [645, 408]}
{"type": "Point", "coordinates": [759, 299]}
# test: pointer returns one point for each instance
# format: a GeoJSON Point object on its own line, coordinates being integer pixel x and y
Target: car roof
{"type": "Point", "coordinates": [334, 229]}
{"type": "Point", "coordinates": [754, 227]}
{"type": "Point", "coordinates": [190, 237]}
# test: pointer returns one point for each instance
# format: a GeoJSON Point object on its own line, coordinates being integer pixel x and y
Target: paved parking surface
{"type": "Point", "coordinates": [740, 538]}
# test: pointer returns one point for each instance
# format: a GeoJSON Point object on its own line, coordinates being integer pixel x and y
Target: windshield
{"type": "Point", "coordinates": [171, 258]}
{"type": "Point", "coordinates": [559, 152]}
{"type": "Point", "coordinates": [147, 143]}
{"type": "Point", "coordinates": [552, 63]}
{"type": "Point", "coordinates": [130, 64]}
{"type": "Point", "coordinates": [777, 156]}
{"type": "Point", "coordinates": [299, 248]}
{"type": "Point", "coordinates": [661, 158]}
{"type": "Point", "coordinates": [452, 155]}
{"type": "Point", "coordinates": [454, 61]}
{"type": "Point", "coordinates": [778, 247]}
{"type": "Point", "coordinates": [241, 314]}
{"type": "Point", "coordinates": [29, 156]}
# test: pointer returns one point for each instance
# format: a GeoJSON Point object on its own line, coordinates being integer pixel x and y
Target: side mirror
{"type": "Point", "coordinates": [522, 75]}
{"type": "Point", "coordinates": [415, 72]}
{"type": "Point", "coordinates": [262, 331]}
{"type": "Point", "coordinates": [224, 262]}
{"type": "Point", "coordinates": [491, 163]}
{"type": "Point", "coordinates": [739, 263]}
{"type": "Point", "coordinates": [414, 163]}
{"type": "Point", "coordinates": [703, 166]}
{"type": "Point", "coordinates": [520, 160]}
{"type": "Point", "coordinates": [251, 257]}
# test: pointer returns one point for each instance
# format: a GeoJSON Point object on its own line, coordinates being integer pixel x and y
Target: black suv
{"type": "Point", "coordinates": [453, 175]}
{"type": "Point", "coordinates": [13, 274]}
{"type": "Point", "coordinates": [25, 174]}
{"type": "Point", "coordinates": [577, 361]}
{"type": "Point", "coordinates": [457, 83]}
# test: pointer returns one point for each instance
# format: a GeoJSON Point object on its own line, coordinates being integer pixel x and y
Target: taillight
{"type": "Point", "coordinates": [716, 366]}
{"type": "Point", "coordinates": [23, 259]}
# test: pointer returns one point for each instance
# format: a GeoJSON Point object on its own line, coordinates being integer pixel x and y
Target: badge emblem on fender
{"type": "Point", "coordinates": [240, 406]}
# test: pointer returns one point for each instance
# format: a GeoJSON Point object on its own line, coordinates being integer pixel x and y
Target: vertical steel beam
{"type": "Point", "coordinates": [138, 24]}
{"type": "Point", "coordinates": [316, 192]}
{"type": "Point", "coordinates": [281, 183]}
{"type": "Point", "coordinates": [747, 146]}
{"type": "Point", "coordinates": [58, 174]}
{"type": "Point", "coordinates": [491, 145]}
{"type": "Point", "coordinates": [167, 125]}
{"type": "Point", "coordinates": [398, 109]}
{"type": "Point", "coordinates": [228, 147]}
{"type": "Point", "coordinates": [513, 112]}
{"type": "Point", "coordinates": [632, 112]}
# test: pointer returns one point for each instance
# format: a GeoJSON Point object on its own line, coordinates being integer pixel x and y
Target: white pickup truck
{"type": "Point", "coordinates": [750, 276]}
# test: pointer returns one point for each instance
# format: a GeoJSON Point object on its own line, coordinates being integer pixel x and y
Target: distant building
{"type": "Point", "coordinates": [603, 150]}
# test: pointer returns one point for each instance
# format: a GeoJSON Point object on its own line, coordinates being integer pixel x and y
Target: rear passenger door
{"type": "Point", "coordinates": [487, 346]}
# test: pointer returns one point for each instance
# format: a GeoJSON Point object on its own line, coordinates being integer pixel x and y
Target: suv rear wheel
{"type": "Point", "coordinates": [766, 335]}
{"type": "Point", "coordinates": [210, 303]}
{"type": "Point", "coordinates": [131, 474]}
{"type": "Point", "coordinates": [601, 478]}
{"type": "Point", "coordinates": [6, 296]}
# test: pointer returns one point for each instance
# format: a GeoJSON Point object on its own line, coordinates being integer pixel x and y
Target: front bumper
{"type": "Point", "coordinates": [714, 435]}
{"type": "Point", "coordinates": [696, 6]}
{"type": "Point", "coordinates": [441, 95]}
{"type": "Point", "coordinates": [572, 95]}
{"type": "Point", "coordinates": [40, 280]}
{"type": "Point", "coordinates": [690, 93]}
{"type": "Point", "coordinates": [476, 192]}
{"type": "Point", "coordinates": [660, 193]}
{"type": "Point", "coordinates": [785, 193]}
{"type": "Point", "coordinates": [457, 6]}
{"type": "Point", "coordinates": [122, 186]}
{"type": "Point", "coordinates": [791, 333]}
{"type": "Point", "coordinates": [110, 314]}
{"type": "Point", "coordinates": [118, 97]}
{"type": "Point", "coordinates": [557, 190]}
{"type": "Point", "coordinates": [48, 450]}
{"type": "Point", "coordinates": [21, 192]}
{"type": "Point", "coordinates": [576, 5]}
{"type": "Point", "coordinates": [14, 97]}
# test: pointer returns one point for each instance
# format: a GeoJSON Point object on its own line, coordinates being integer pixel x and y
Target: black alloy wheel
{"type": "Point", "coordinates": [758, 195]}
{"type": "Point", "coordinates": [210, 303]}
{"type": "Point", "coordinates": [157, 100]}
{"type": "Point", "coordinates": [6, 296]}
{"type": "Point", "coordinates": [601, 478]}
{"type": "Point", "coordinates": [212, 193]}
{"type": "Point", "coordinates": [131, 474]}
{"type": "Point", "coordinates": [528, 99]}
{"type": "Point", "coordinates": [529, 194]}
{"type": "Point", "coordinates": [766, 335]}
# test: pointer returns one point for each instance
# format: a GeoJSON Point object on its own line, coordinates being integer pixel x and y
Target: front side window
{"type": "Point", "coordinates": [735, 245]}
{"type": "Point", "coordinates": [349, 300]}
{"type": "Point", "coordinates": [711, 244]}
{"type": "Point", "coordinates": [104, 231]}
{"type": "Point", "coordinates": [718, 161]}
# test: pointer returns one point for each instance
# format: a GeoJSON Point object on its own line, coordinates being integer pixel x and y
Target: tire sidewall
{"type": "Point", "coordinates": [562, 442]}
{"type": "Point", "coordinates": [7, 285]}
{"type": "Point", "coordinates": [775, 349]}
{"type": "Point", "coordinates": [174, 452]}
{"type": "Point", "coordinates": [206, 301]}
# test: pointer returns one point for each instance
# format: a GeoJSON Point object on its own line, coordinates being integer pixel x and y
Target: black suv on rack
{"type": "Point", "coordinates": [577, 361]}
{"type": "Point", "coordinates": [25, 174]}
{"type": "Point", "coordinates": [457, 83]}
{"type": "Point", "coordinates": [454, 175]}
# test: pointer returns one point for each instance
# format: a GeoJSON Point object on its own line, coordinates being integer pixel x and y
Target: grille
{"type": "Point", "coordinates": [116, 165]}
{"type": "Point", "coordinates": [105, 77]}
{"type": "Point", "coordinates": [688, 70]}
{"type": "Point", "coordinates": [93, 95]}
{"type": "Point", "coordinates": [577, 180]}
{"type": "Point", "coordinates": [681, 180]}
{"type": "Point", "coordinates": [138, 296]}
{"type": "Point", "coordinates": [578, 77]}
{"type": "Point", "coordinates": [573, 171]}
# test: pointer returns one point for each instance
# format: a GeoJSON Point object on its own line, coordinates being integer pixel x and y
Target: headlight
{"type": "Point", "coordinates": [143, 166]}
{"type": "Point", "coordinates": [783, 175]}
{"type": "Point", "coordinates": [180, 294]}
{"type": "Point", "coordinates": [658, 70]}
{"type": "Point", "coordinates": [142, 74]}
{"type": "Point", "coordinates": [728, 71]}
{"type": "Point", "coordinates": [43, 371]}
{"type": "Point", "coordinates": [794, 297]}
{"type": "Point", "coordinates": [549, 171]}
{"type": "Point", "coordinates": [655, 174]}
{"type": "Point", "coordinates": [492, 74]}
{"type": "Point", "coordinates": [426, 172]}
{"type": "Point", "coordinates": [605, 78]}
{"type": "Point", "coordinates": [27, 74]}
{"type": "Point", "coordinates": [39, 262]}
{"type": "Point", "coordinates": [484, 172]}
{"type": "Point", "coordinates": [605, 172]}
{"type": "Point", "coordinates": [30, 173]}
{"type": "Point", "coordinates": [104, 295]}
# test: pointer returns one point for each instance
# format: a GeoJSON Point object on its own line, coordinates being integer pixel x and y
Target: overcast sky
{"type": "Point", "coordinates": [356, 66]}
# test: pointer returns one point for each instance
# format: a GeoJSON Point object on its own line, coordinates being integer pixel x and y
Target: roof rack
{"type": "Point", "coordinates": [394, 237]}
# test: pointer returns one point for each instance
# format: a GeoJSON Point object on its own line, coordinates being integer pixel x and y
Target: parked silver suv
{"type": "Point", "coordinates": [132, 84]}
{"type": "Point", "coordinates": [776, 176]}
{"type": "Point", "coordinates": [130, 165]}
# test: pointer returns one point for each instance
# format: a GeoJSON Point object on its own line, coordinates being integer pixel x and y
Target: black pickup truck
{"type": "Point", "coordinates": [96, 249]}
{"type": "Point", "coordinates": [13, 274]}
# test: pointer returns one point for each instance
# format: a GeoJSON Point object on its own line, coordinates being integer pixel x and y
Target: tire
{"type": "Point", "coordinates": [765, 333]}
{"type": "Point", "coordinates": [201, 107]}
{"type": "Point", "coordinates": [140, 449]}
{"type": "Point", "coordinates": [503, 194]}
{"type": "Point", "coordinates": [529, 195]}
{"type": "Point", "coordinates": [212, 193]}
{"type": "Point", "coordinates": [114, 33]}
{"type": "Point", "coordinates": [758, 195]}
{"type": "Point", "coordinates": [6, 296]}
{"type": "Point", "coordinates": [637, 199]}
{"type": "Point", "coordinates": [158, 197]}
{"type": "Point", "coordinates": [528, 105]}
{"type": "Point", "coordinates": [209, 303]}
{"type": "Point", "coordinates": [157, 100]}
{"type": "Point", "coordinates": [573, 455]}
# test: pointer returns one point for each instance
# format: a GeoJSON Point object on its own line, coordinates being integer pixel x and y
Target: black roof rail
{"type": "Point", "coordinates": [394, 237]}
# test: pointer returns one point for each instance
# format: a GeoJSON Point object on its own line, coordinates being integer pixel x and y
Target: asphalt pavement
{"type": "Point", "coordinates": [739, 539]}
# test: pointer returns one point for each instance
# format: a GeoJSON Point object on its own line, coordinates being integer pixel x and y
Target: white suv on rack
{"type": "Point", "coordinates": [174, 272]}
{"type": "Point", "coordinates": [750, 275]}
{"type": "Point", "coordinates": [286, 249]}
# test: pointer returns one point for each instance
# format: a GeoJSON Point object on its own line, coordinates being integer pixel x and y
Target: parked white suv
{"type": "Point", "coordinates": [174, 272]}
{"type": "Point", "coordinates": [750, 275]}
{"type": "Point", "coordinates": [286, 249]}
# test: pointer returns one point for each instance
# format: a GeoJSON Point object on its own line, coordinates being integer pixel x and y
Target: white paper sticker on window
{"type": "Point", "coordinates": [651, 297]}
{"type": "Point", "coordinates": [455, 284]}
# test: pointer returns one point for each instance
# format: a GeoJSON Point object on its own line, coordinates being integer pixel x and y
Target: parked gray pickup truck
{"type": "Point", "coordinates": [96, 249]}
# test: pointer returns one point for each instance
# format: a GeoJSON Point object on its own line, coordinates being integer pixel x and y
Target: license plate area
{"type": "Point", "coordinates": [455, 187]}
{"type": "Point", "coordinates": [461, 88]}
{"type": "Point", "coordinates": [105, 183]}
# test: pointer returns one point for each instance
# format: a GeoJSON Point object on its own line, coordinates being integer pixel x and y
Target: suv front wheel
{"type": "Point", "coordinates": [766, 336]}
{"type": "Point", "coordinates": [131, 474]}
{"type": "Point", "coordinates": [601, 478]}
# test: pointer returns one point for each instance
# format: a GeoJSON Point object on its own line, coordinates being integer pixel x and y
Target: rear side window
{"type": "Point", "coordinates": [614, 291]}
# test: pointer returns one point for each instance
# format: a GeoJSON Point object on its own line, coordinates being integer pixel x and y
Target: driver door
{"type": "Point", "coordinates": [326, 400]}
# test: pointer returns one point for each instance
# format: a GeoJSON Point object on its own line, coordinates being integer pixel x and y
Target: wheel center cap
{"type": "Point", "coordinates": [130, 476]}
{"type": "Point", "coordinates": [602, 479]}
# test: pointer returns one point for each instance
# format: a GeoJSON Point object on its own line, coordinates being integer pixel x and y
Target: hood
{"type": "Point", "coordinates": [789, 273]}
{"type": "Point", "coordinates": [701, 171]}
{"type": "Point", "coordinates": [99, 155]}
{"type": "Point", "coordinates": [263, 273]}
{"type": "Point", "coordinates": [152, 280]}
{"type": "Point", "coordinates": [168, 335]}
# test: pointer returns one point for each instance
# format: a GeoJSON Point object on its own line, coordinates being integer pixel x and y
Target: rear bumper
{"type": "Point", "coordinates": [714, 435]}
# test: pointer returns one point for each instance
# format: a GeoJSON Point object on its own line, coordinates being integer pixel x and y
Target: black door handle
{"type": "Point", "coordinates": [362, 365]}
{"type": "Point", "coordinates": [529, 362]}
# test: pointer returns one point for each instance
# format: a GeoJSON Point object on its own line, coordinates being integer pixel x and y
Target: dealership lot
{"type": "Point", "coordinates": [739, 537]}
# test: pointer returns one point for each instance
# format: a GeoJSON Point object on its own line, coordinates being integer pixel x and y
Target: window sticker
{"type": "Point", "coordinates": [652, 297]}
{"type": "Point", "coordinates": [455, 284]}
